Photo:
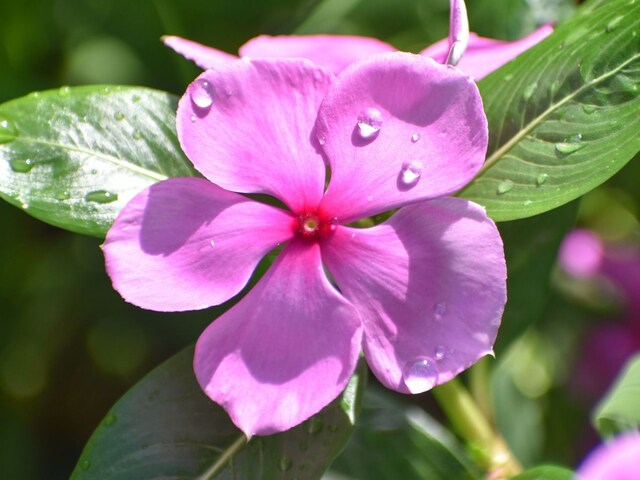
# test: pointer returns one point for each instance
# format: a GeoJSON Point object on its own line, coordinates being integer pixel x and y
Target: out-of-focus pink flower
{"type": "Point", "coordinates": [616, 460]}
{"type": "Point", "coordinates": [336, 52]}
{"type": "Point", "coordinates": [421, 293]}
{"type": "Point", "coordinates": [581, 253]}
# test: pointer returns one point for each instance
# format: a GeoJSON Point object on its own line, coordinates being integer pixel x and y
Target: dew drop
{"type": "Point", "coordinates": [369, 198]}
{"type": "Point", "coordinates": [322, 140]}
{"type": "Point", "coordinates": [135, 98]}
{"type": "Point", "coordinates": [193, 118]}
{"type": "Point", "coordinates": [588, 109]}
{"type": "Point", "coordinates": [107, 90]}
{"type": "Point", "coordinates": [62, 195]}
{"type": "Point", "coordinates": [369, 123]}
{"type": "Point", "coordinates": [527, 203]}
{"type": "Point", "coordinates": [21, 165]}
{"type": "Point", "coordinates": [8, 130]}
{"type": "Point", "coordinates": [439, 352]}
{"type": "Point", "coordinates": [285, 464]}
{"type": "Point", "coordinates": [137, 135]}
{"type": "Point", "coordinates": [118, 116]}
{"type": "Point", "coordinates": [529, 91]}
{"type": "Point", "coordinates": [315, 425]}
{"type": "Point", "coordinates": [542, 178]}
{"type": "Point", "coordinates": [439, 309]}
{"type": "Point", "coordinates": [24, 205]}
{"type": "Point", "coordinates": [573, 145]}
{"type": "Point", "coordinates": [410, 173]}
{"type": "Point", "coordinates": [64, 91]}
{"type": "Point", "coordinates": [212, 243]}
{"type": "Point", "coordinates": [201, 94]}
{"type": "Point", "coordinates": [420, 375]}
{"type": "Point", "coordinates": [110, 420]}
{"type": "Point", "coordinates": [613, 24]}
{"type": "Point", "coordinates": [86, 464]}
{"type": "Point", "coordinates": [504, 187]}
{"type": "Point", "coordinates": [415, 137]}
{"type": "Point", "coordinates": [101, 196]}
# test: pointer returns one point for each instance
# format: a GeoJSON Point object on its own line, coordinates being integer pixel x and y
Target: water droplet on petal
{"type": "Point", "coordinates": [201, 94]}
{"type": "Point", "coordinates": [193, 118]}
{"type": "Point", "coordinates": [415, 137]}
{"type": "Point", "coordinates": [285, 464]}
{"type": "Point", "coordinates": [369, 123]}
{"type": "Point", "coordinates": [118, 116]}
{"type": "Point", "coordinates": [369, 198]}
{"type": "Point", "coordinates": [212, 243]}
{"type": "Point", "coordinates": [64, 91]}
{"type": "Point", "coordinates": [110, 420]}
{"type": "Point", "coordinates": [420, 375]}
{"type": "Point", "coordinates": [529, 91]}
{"type": "Point", "coordinates": [542, 178]}
{"type": "Point", "coordinates": [8, 130]}
{"type": "Point", "coordinates": [439, 352]}
{"type": "Point", "coordinates": [101, 196]}
{"type": "Point", "coordinates": [439, 309]}
{"type": "Point", "coordinates": [21, 165]}
{"type": "Point", "coordinates": [410, 173]}
{"type": "Point", "coordinates": [315, 425]}
{"type": "Point", "coordinates": [504, 187]}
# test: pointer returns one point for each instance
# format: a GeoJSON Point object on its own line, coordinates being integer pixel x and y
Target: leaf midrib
{"type": "Point", "coordinates": [506, 147]}
{"type": "Point", "coordinates": [108, 158]}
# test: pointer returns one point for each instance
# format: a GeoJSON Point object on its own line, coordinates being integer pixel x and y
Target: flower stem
{"type": "Point", "coordinates": [225, 458]}
{"type": "Point", "coordinates": [470, 423]}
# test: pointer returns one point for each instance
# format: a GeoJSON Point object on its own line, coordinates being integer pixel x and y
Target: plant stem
{"type": "Point", "coordinates": [226, 456]}
{"type": "Point", "coordinates": [468, 420]}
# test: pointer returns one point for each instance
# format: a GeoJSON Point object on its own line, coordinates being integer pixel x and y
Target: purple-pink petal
{"type": "Point", "coordinates": [430, 286]}
{"type": "Point", "coordinates": [484, 55]}
{"type": "Point", "coordinates": [617, 460]}
{"type": "Point", "coordinates": [285, 350]}
{"type": "Point", "coordinates": [247, 126]}
{"type": "Point", "coordinates": [398, 128]}
{"type": "Point", "coordinates": [186, 244]}
{"type": "Point", "coordinates": [203, 56]}
{"type": "Point", "coordinates": [336, 52]}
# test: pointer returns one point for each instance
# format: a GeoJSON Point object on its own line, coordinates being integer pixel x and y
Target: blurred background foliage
{"type": "Point", "coordinates": [70, 346]}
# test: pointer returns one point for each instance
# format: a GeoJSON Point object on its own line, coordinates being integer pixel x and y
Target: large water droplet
{"type": "Point", "coordinates": [439, 309]}
{"type": "Point", "coordinates": [420, 375]}
{"type": "Point", "coordinates": [529, 91]}
{"type": "Point", "coordinates": [21, 165]}
{"type": "Point", "coordinates": [504, 187]}
{"type": "Point", "coordinates": [410, 173]}
{"type": "Point", "coordinates": [573, 145]}
{"type": "Point", "coordinates": [369, 123]}
{"type": "Point", "coordinates": [201, 94]}
{"type": "Point", "coordinates": [542, 178]}
{"type": "Point", "coordinates": [315, 425]}
{"type": "Point", "coordinates": [285, 464]}
{"type": "Point", "coordinates": [101, 196]}
{"type": "Point", "coordinates": [8, 130]}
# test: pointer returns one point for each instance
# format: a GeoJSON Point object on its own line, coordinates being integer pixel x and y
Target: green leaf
{"type": "Point", "coordinates": [165, 427]}
{"type": "Point", "coordinates": [619, 411]}
{"type": "Point", "coordinates": [74, 157]}
{"type": "Point", "coordinates": [546, 472]}
{"type": "Point", "coordinates": [394, 441]}
{"type": "Point", "coordinates": [564, 116]}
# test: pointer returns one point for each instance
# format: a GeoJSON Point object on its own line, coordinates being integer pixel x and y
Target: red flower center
{"type": "Point", "coordinates": [314, 225]}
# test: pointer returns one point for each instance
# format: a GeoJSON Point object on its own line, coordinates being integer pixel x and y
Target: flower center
{"type": "Point", "coordinates": [311, 225]}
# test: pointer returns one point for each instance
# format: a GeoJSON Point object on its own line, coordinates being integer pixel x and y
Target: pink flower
{"type": "Point", "coordinates": [616, 460]}
{"type": "Point", "coordinates": [422, 293]}
{"type": "Point", "coordinates": [336, 52]}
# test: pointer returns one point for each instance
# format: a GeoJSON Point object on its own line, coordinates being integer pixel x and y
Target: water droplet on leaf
{"type": "Point", "coordinates": [64, 91]}
{"type": "Point", "coordinates": [8, 130]}
{"type": "Point", "coordinates": [101, 196]}
{"type": "Point", "coordinates": [201, 94]}
{"type": "Point", "coordinates": [542, 178]}
{"type": "Point", "coordinates": [588, 109]}
{"type": "Point", "coordinates": [410, 173]}
{"type": "Point", "coordinates": [315, 425]}
{"type": "Point", "coordinates": [573, 145]}
{"type": "Point", "coordinates": [420, 375]}
{"type": "Point", "coordinates": [529, 91]}
{"type": "Point", "coordinates": [21, 165]}
{"type": "Point", "coordinates": [369, 123]}
{"type": "Point", "coordinates": [137, 135]}
{"type": "Point", "coordinates": [285, 464]}
{"type": "Point", "coordinates": [614, 23]}
{"type": "Point", "coordinates": [526, 203]}
{"type": "Point", "coordinates": [504, 187]}
{"type": "Point", "coordinates": [110, 420]}
{"type": "Point", "coordinates": [62, 195]}
{"type": "Point", "coordinates": [135, 98]}
{"type": "Point", "coordinates": [118, 116]}
{"type": "Point", "coordinates": [86, 464]}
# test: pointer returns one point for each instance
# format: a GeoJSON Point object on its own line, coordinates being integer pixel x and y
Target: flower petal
{"type": "Point", "coordinates": [398, 128]}
{"type": "Point", "coordinates": [247, 126]}
{"type": "Point", "coordinates": [285, 350]}
{"type": "Point", "coordinates": [186, 244]}
{"type": "Point", "coordinates": [430, 286]}
{"type": "Point", "coordinates": [484, 55]}
{"type": "Point", "coordinates": [203, 56]}
{"type": "Point", "coordinates": [336, 52]}
{"type": "Point", "coordinates": [619, 459]}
